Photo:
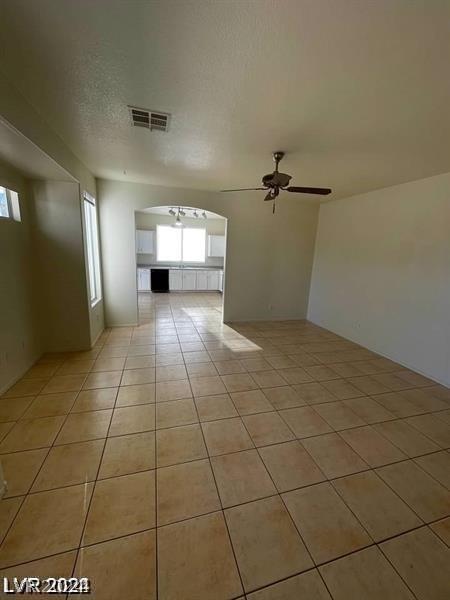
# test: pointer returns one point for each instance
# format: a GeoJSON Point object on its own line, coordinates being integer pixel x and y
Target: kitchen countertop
{"type": "Point", "coordinates": [199, 268]}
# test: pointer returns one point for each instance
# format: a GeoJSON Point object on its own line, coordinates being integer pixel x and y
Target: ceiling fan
{"type": "Point", "coordinates": [276, 181]}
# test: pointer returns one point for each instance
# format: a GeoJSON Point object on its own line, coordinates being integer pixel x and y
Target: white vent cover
{"type": "Point", "coordinates": [150, 119]}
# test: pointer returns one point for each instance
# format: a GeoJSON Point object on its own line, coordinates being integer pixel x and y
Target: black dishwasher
{"type": "Point", "coordinates": [159, 279]}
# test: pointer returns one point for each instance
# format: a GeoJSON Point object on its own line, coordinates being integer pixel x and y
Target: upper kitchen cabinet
{"type": "Point", "coordinates": [216, 246]}
{"type": "Point", "coordinates": [145, 241]}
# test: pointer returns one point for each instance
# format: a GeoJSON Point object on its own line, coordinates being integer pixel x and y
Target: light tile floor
{"type": "Point", "coordinates": [186, 459]}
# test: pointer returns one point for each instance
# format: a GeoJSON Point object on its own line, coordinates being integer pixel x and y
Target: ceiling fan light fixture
{"type": "Point", "coordinates": [178, 222]}
{"type": "Point", "coordinates": [181, 212]}
{"type": "Point", "coordinates": [172, 212]}
{"type": "Point", "coordinates": [204, 215]}
{"type": "Point", "coordinates": [195, 213]}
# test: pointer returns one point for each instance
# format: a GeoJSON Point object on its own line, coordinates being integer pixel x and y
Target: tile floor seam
{"type": "Point", "coordinates": [93, 490]}
{"type": "Point", "coordinates": [34, 479]}
{"type": "Point", "coordinates": [202, 327]}
{"type": "Point", "coordinates": [222, 510]}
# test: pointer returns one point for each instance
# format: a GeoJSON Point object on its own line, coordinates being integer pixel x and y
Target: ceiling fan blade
{"type": "Point", "coordinates": [308, 190]}
{"type": "Point", "coordinates": [245, 189]}
{"type": "Point", "coordinates": [268, 197]}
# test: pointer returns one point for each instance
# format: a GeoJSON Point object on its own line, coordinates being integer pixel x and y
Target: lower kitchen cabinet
{"type": "Point", "coordinates": [202, 280]}
{"type": "Point", "coordinates": [143, 280]}
{"type": "Point", "coordinates": [189, 280]}
{"type": "Point", "coordinates": [213, 280]}
{"type": "Point", "coordinates": [184, 279]}
{"type": "Point", "coordinates": [175, 279]}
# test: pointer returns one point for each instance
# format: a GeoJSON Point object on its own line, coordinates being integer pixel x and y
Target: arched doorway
{"type": "Point", "coordinates": [180, 264]}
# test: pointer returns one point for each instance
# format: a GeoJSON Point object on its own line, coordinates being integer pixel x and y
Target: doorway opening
{"type": "Point", "coordinates": [180, 267]}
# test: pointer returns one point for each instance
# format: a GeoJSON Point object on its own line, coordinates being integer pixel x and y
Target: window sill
{"type": "Point", "coordinates": [95, 302]}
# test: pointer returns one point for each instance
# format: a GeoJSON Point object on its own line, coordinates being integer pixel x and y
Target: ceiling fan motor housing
{"type": "Point", "coordinates": [276, 179]}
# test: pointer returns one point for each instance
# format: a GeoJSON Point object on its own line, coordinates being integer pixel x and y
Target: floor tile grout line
{"type": "Point", "coordinates": [375, 470]}
{"type": "Point", "coordinates": [439, 449]}
{"type": "Point", "coordinates": [396, 570]}
{"type": "Point", "coordinates": [93, 490]}
{"type": "Point", "coordinates": [431, 412]}
{"type": "Point", "coordinates": [406, 459]}
{"type": "Point", "coordinates": [34, 479]}
{"type": "Point", "coordinates": [222, 508]}
{"type": "Point", "coordinates": [280, 495]}
{"type": "Point", "coordinates": [282, 500]}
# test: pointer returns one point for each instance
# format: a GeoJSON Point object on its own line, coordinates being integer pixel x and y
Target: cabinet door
{"type": "Point", "coordinates": [147, 242]}
{"type": "Point", "coordinates": [175, 280]}
{"type": "Point", "coordinates": [143, 280]}
{"type": "Point", "coordinates": [220, 281]}
{"type": "Point", "coordinates": [202, 280]}
{"type": "Point", "coordinates": [138, 241]}
{"type": "Point", "coordinates": [189, 280]}
{"type": "Point", "coordinates": [144, 241]}
{"type": "Point", "coordinates": [213, 280]}
{"type": "Point", "coordinates": [216, 245]}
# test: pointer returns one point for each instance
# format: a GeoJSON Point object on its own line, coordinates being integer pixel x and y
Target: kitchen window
{"type": "Point", "coordinates": [9, 204]}
{"type": "Point", "coordinates": [184, 244]}
{"type": "Point", "coordinates": [92, 248]}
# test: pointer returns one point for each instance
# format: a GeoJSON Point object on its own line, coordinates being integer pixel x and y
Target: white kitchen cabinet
{"type": "Point", "coordinates": [216, 245]}
{"type": "Point", "coordinates": [189, 280]}
{"type": "Point", "coordinates": [175, 279]}
{"type": "Point", "coordinates": [195, 279]}
{"type": "Point", "coordinates": [143, 280]}
{"type": "Point", "coordinates": [145, 241]}
{"type": "Point", "coordinates": [213, 280]}
{"type": "Point", "coordinates": [202, 280]}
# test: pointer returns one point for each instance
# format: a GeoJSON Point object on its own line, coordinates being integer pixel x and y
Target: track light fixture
{"type": "Point", "coordinates": [180, 211]}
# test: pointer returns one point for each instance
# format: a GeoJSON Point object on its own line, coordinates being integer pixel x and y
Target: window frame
{"type": "Point", "coordinates": [181, 231]}
{"type": "Point", "coordinates": [92, 244]}
{"type": "Point", "coordinates": [12, 204]}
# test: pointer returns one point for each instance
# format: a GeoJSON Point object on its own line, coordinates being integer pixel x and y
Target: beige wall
{"type": "Point", "coordinates": [268, 259]}
{"type": "Point", "coordinates": [62, 286]}
{"type": "Point", "coordinates": [16, 111]}
{"type": "Point", "coordinates": [381, 273]}
{"type": "Point", "coordinates": [19, 332]}
{"type": "Point", "coordinates": [150, 221]}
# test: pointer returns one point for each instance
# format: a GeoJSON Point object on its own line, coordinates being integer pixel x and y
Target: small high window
{"type": "Point", "coordinates": [92, 248]}
{"type": "Point", "coordinates": [9, 204]}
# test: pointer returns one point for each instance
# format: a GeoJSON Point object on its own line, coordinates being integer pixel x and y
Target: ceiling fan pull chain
{"type": "Point", "coordinates": [273, 207]}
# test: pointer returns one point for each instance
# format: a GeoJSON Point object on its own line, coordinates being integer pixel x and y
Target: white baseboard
{"type": "Point", "coordinates": [3, 484]}
{"type": "Point", "coordinates": [19, 375]}
{"type": "Point", "coordinates": [383, 354]}
{"type": "Point", "coordinates": [97, 337]}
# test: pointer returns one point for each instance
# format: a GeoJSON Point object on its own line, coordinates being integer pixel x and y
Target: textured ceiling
{"type": "Point", "coordinates": [356, 92]}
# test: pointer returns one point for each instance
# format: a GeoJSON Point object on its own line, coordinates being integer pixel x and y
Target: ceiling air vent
{"type": "Point", "coordinates": [153, 120]}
